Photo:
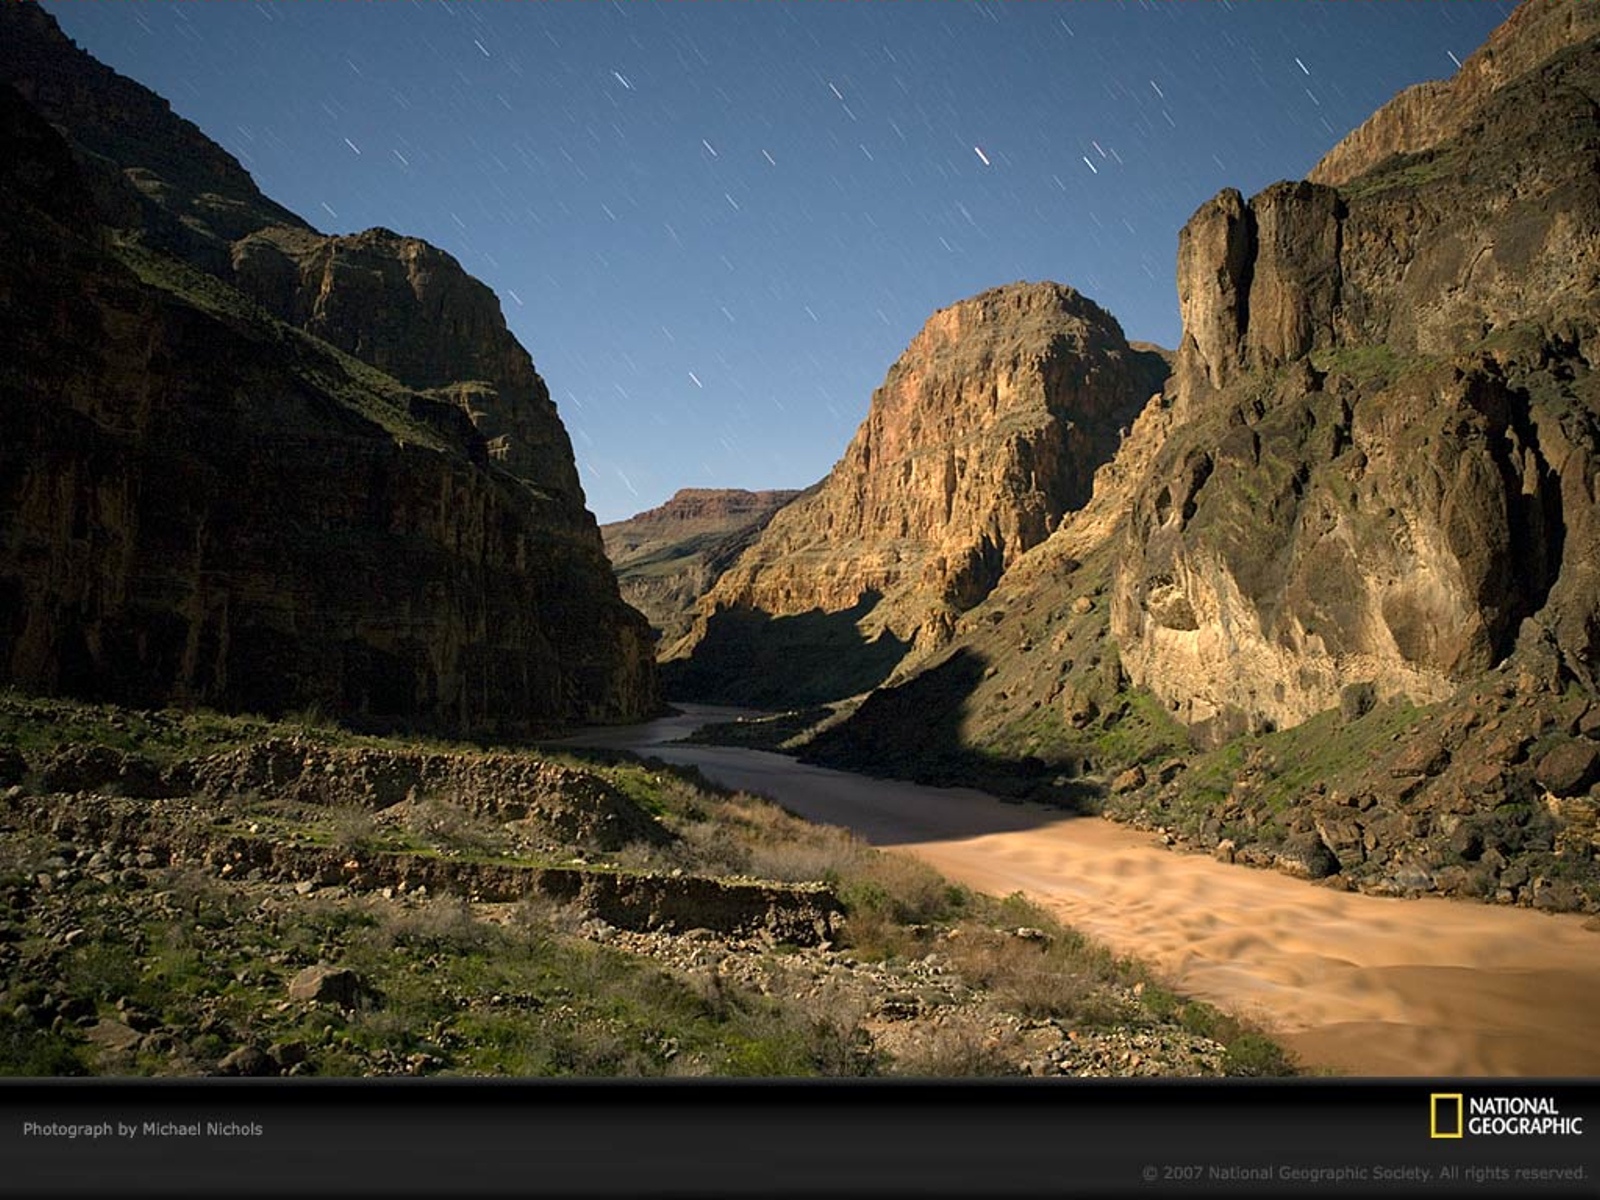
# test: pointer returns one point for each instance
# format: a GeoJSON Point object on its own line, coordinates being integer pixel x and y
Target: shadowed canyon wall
{"type": "Point", "coordinates": [338, 485]}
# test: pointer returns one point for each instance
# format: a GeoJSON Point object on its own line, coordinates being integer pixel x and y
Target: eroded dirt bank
{"type": "Point", "coordinates": [1361, 984]}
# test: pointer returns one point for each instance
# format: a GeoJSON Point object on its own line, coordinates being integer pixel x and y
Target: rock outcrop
{"type": "Point", "coordinates": [985, 432]}
{"type": "Point", "coordinates": [668, 557]}
{"type": "Point", "coordinates": [410, 310]}
{"type": "Point", "coordinates": [395, 303]}
{"type": "Point", "coordinates": [202, 502]}
{"type": "Point", "coordinates": [1387, 454]}
{"type": "Point", "coordinates": [147, 165]}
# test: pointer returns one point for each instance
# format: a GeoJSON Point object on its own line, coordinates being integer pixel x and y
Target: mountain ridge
{"type": "Point", "coordinates": [668, 556]}
{"type": "Point", "coordinates": [206, 502]}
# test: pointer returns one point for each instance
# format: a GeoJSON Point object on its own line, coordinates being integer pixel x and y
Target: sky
{"type": "Point", "coordinates": [715, 225]}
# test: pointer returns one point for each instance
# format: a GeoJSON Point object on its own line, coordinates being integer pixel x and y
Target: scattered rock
{"type": "Point", "coordinates": [1423, 757]}
{"type": "Point", "coordinates": [247, 1060]}
{"type": "Point", "coordinates": [1309, 857]}
{"type": "Point", "coordinates": [1356, 700]}
{"type": "Point", "coordinates": [1467, 841]}
{"type": "Point", "coordinates": [1569, 768]}
{"type": "Point", "coordinates": [1343, 836]}
{"type": "Point", "coordinates": [326, 985]}
{"type": "Point", "coordinates": [13, 767]}
{"type": "Point", "coordinates": [1413, 879]}
{"type": "Point", "coordinates": [92, 768]}
{"type": "Point", "coordinates": [287, 1054]}
{"type": "Point", "coordinates": [1171, 769]}
{"type": "Point", "coordinates": [113, 1036]}
{"type": "Point", "coordinates": [1129, 780]}
{"type": "Point", "coordinates": [1078, 708]}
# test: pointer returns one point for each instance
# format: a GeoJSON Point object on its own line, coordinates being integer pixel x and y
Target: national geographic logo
{"type": "Point", "coordinates": [1453, 1115]}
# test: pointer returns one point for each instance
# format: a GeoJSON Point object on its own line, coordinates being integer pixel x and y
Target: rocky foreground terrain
{"type": "Point", "coordinates": [1332, 604]}
{"type": "Point", "coordinates": [250, 466]}
{"type": "Point", "coordinates": [188, 894]}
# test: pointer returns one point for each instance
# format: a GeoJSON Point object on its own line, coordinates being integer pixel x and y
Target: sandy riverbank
{"type": "Point", "coordinates": [1359, 984]}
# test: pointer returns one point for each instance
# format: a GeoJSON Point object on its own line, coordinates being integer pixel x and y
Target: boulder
{"type": "Point", "coordinates": [247, 1060]}
{"type": "Point", "coordinates": [1570, 768]}
{"type": "Point", "coordinates": [326, 985]}
{"type": "Point", "coordinates": [1130, 780]}
{"type": "Point", "coordinates": [1308, 857]}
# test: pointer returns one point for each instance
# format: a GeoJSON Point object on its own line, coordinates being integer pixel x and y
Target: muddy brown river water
{"type": "Point", "coordinates": [1363, 985]}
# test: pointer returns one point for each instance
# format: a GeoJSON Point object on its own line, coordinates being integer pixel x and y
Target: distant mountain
{"type": "Point", "coordinates": [986, 431]}
{"type": "Point", "coordinates": [249, 466]}
{"type": "Point", "coordinates": [667, 557]}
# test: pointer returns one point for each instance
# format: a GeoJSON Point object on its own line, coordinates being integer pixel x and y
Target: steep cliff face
{"type": "Point", "coordinates": [1428, 114]}
{"type": "Point", "coordinates": [667, 558]}
{"type": "Point", "coordinates": [146, 164]}
{"type": "Point", "coordinates": [202, 503]}
{"type": "Point", "coordinates": [987, 429]}
{"type": "Point", "coordinates": [1387, 459]}
{"type": "Point", "coordinates": [396, 303]}
{"type": "Point", "coordinates": [410, 310]}
{"type": "Point", "coordinates": [1334, 606]}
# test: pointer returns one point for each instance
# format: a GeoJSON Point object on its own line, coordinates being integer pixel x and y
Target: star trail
{"type": "Point", "coordinates": [715, 226]}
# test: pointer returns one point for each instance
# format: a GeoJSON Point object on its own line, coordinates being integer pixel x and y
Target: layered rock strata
{"type": "Point", "coordinates": [984, 433]}
{"type": "Point", "coordinates": [1350, 553]}
{"type": "Point", "coordinates": [1427, 114]}
{"type": "Point", "coordinates": [667, 558]}
{"type": "Point", "coordinates": [1386, 462]}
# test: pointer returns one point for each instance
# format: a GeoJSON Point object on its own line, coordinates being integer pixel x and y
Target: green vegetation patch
{"type": "Point", "coordinates": [363, 389]}
{"type": "Point", "coordinates": [1406, 171]}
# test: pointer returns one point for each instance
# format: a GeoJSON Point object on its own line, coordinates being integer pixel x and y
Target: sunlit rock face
{"type": "Point", "coordinates": [985, 432]}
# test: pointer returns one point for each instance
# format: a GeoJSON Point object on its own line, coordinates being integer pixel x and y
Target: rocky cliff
{"type": "Point", "coordinates": [146, 165]}
{"type": "Point", "coordinates": [1385, 473]}
{"type": "Point", "coordinates": [667, 558]}
{"type": "Point", "coordinates": [409, 309]}
{"type": "Point", "coordinates": [984, 433]}
{"type": "Point", "coordinates": [1333, 605]}
{"type": "Point", "coordinates": [1427, 114]}
{"type": "Point", "coordinates": [208, 501]}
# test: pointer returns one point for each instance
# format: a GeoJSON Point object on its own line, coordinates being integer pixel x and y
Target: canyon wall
{"type": "Point", "coordinates": [1386, 464]}
{"type": "Point", "coordinates": [339, 485]}
{"type": "Point", "coordinates": [987, 429]}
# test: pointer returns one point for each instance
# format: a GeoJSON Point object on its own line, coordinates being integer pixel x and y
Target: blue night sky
{"type": "Point", "coordinates": [716, 225]}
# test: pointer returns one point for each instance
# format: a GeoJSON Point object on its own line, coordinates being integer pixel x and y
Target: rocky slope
{"type": "Point", "coordinates": [209, 501]}
{"type": "Point", "coordinates": [985, 431]}
{"type": "Point", "coordinates": [395, 303]}
{"type": "Point", "coordinates": [667, 558]}
{"type": "Point", "coordinates": [1333, 606]}
{"type": "Point", "coordinates": [151, 168]}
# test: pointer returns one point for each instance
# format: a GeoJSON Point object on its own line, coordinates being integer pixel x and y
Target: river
{"type": "Point", "coordinates": [1359, 984]}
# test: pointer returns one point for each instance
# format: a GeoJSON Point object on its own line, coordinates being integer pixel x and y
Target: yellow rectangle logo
{"type": "Point", "coordinates": [1445, 1115]}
